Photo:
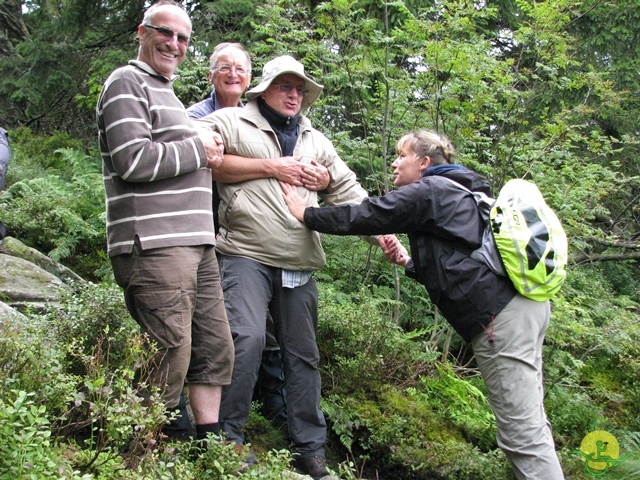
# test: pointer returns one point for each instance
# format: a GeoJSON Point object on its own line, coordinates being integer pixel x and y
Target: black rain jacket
{"type": "Point", "coordinates": [444, 226]}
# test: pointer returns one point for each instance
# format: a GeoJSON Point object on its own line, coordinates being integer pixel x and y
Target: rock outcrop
{"type": "Point", "coordinates": [30, 280]}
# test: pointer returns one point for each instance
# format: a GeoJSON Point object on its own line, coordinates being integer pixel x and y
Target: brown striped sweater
{"type": "Point", "coordinates": [157, 185]}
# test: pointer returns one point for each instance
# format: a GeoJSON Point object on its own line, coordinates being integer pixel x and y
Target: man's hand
{"type": "Point", "coordinates": [294, 201]}
{"type": "Point", "coordinates": [315, 177]}
{"type": "Point", "coordinates": [394, 250]}
{"type": "Point", "coordinates": [287, 169]}
{"type": "Point", "coordinates": [213, 147]}
{"type": "Point", "coordinates": [235, 168]}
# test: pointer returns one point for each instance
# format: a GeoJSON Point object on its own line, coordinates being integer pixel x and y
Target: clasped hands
{"type": "Point", "coordinates": [213, 147]}
{"type": "Point", "coordinates": [312, 176]}
{"type": "Point", "coordinates": [394, 250]}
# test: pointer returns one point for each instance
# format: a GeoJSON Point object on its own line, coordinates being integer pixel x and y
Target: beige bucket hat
{"type": "Point", "coordinates": [280, 66]}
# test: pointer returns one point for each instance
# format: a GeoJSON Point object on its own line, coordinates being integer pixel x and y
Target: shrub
{"type": "Point", "coordinates": [26, 444]}
{"type": "Point", "coordinates": [29, 362]}
{"type": "Point", "coordinates": [401, 434]}
{"type": "Point", "coordinates": [390, 403]}
{"type": "Point", "coordinates": [93, 321]}
{"type": "Point", "coordinates": [33, 156]}
{"type": "Point", "coordinates": [223, 461]}
{"type": "Point", "coordinates": [61, 214]}
{"type": "Point", "coordinates": [460, 402]}
{"type": "Point", "coordinates": [363, 348]}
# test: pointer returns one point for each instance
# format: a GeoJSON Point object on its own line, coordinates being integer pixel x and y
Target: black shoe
{"type": "Point", "coordinates": [248, 462]}
{"type": "Point", "coordinates": [315, 466]}
{"type": "Point", "coordinates": [176, 432]}
{"type": "Point", "coordinates": [179, 427]}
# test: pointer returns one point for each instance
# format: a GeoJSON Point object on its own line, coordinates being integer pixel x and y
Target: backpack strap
{"type": "Point", "coordinates": [487, 252]}
{"type": "Point", "coordinates": [484, 202]}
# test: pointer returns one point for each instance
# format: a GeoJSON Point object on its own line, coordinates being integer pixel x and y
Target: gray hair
{"type": "Point", "coordinates": [213, 60]}
{"type": "Point", "coordinates": [152, 10]}
{"type": "Point", "coordinates": [427, 143]}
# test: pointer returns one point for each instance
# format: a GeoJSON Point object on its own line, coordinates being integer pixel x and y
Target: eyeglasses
{"type": "Point", "coordinates": [287, 87]}
{"type": "Point", "coordinates": [169, 34]}
{"type": "Point", "coordinates": [224, 69]}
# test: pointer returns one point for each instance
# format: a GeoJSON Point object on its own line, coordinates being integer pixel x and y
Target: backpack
{"type": "Point", "coordinates": [523, 239]}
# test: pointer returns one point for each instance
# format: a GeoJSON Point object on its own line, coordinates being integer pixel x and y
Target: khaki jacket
{"type": "Point", "coordinates": [254, 220]}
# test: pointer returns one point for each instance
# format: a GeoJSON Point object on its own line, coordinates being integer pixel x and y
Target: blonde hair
{"type": "Point", "coordinates": [426, 143]}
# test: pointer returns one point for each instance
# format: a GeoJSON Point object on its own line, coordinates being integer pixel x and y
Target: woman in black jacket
{"type": "Point", "coordinates": [505, 329]}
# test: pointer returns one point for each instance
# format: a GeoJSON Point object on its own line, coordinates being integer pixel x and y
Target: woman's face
{"type": "Point", "coordinates": [408, 167]}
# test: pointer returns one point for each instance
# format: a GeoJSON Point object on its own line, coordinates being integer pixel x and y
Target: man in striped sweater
{"type": "Point", "coordinates": [160, 235]}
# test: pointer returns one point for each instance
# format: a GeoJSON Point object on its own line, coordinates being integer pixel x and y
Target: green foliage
{"type": "Point", "coordinates": [260, 431]}
{"type": "Point", "coordinates": [223, 21]}
{"type": "Point", "coordinates": [224, 461]}
{"type": "Point", "coordinates": [221, 461]}
{"type": "Point", "coordinates": [93, 316]}
{"type": "Point", "coordinates": [110, 415]}
{"type": "Point", "coordinates": [623, 278]}
{"type": "Point", "coordinates": [367, 350]}
{"type": "Point", "coordinates": [99, 70]}
{"type": "Point", "coordinates": [345, 420]}
{"type": "Point", "coordinates": [25, 451]}
{"type": "Point", "coordinates": [60, 212]}
{"type": "Point", "coordinates": [79, 379]}
{"type": "Point", "coordinates": [388, 401]}
{"type": "Point", "coordinates": [31, 364]}
{"type": "Point", "coordinates": [400, 433]}
{"type": "Point", "coordinates": [460, 402]}
{"type": "Point", "coordinates": [193, 84]}
{"type": "Point", "coordinates": [351, 264]}
{"type": "Point", "coordinates": [572, 414]}
{"type": "Point", "coordinates": [594, 339]}
{"type": "Point", "coordinates": [33, 155]}
{"type": "Point", "coordinates": [50, 56]}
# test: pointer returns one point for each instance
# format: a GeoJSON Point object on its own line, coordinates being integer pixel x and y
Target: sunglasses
{"type": "Point", "coordinates": [169, 34]}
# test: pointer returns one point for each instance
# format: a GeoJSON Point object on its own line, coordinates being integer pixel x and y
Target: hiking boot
{"type": "Point", "coordinates": [177, 434]}
{"type": "Point", "coordinates": [315, 466]}
{"type": "Point", "coordinates": [179, 426]}
{"type": "Point", "coordinates": [248, 462]}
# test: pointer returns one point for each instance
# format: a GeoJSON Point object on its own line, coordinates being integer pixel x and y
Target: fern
{"type": "Point", "coordinates": [344, 419]}
{"type": "Point", "coordinates": [629, 441]}
{"type": "Point", "coordinates": [59, 216]}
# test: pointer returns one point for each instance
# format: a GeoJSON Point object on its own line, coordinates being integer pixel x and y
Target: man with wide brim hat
{"type": "Point", "coordinates": [281, 66]}
{"type": "Point", "coordinates": [230, 75]}
{"type": "Point", "coordinates": [267, 257]}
